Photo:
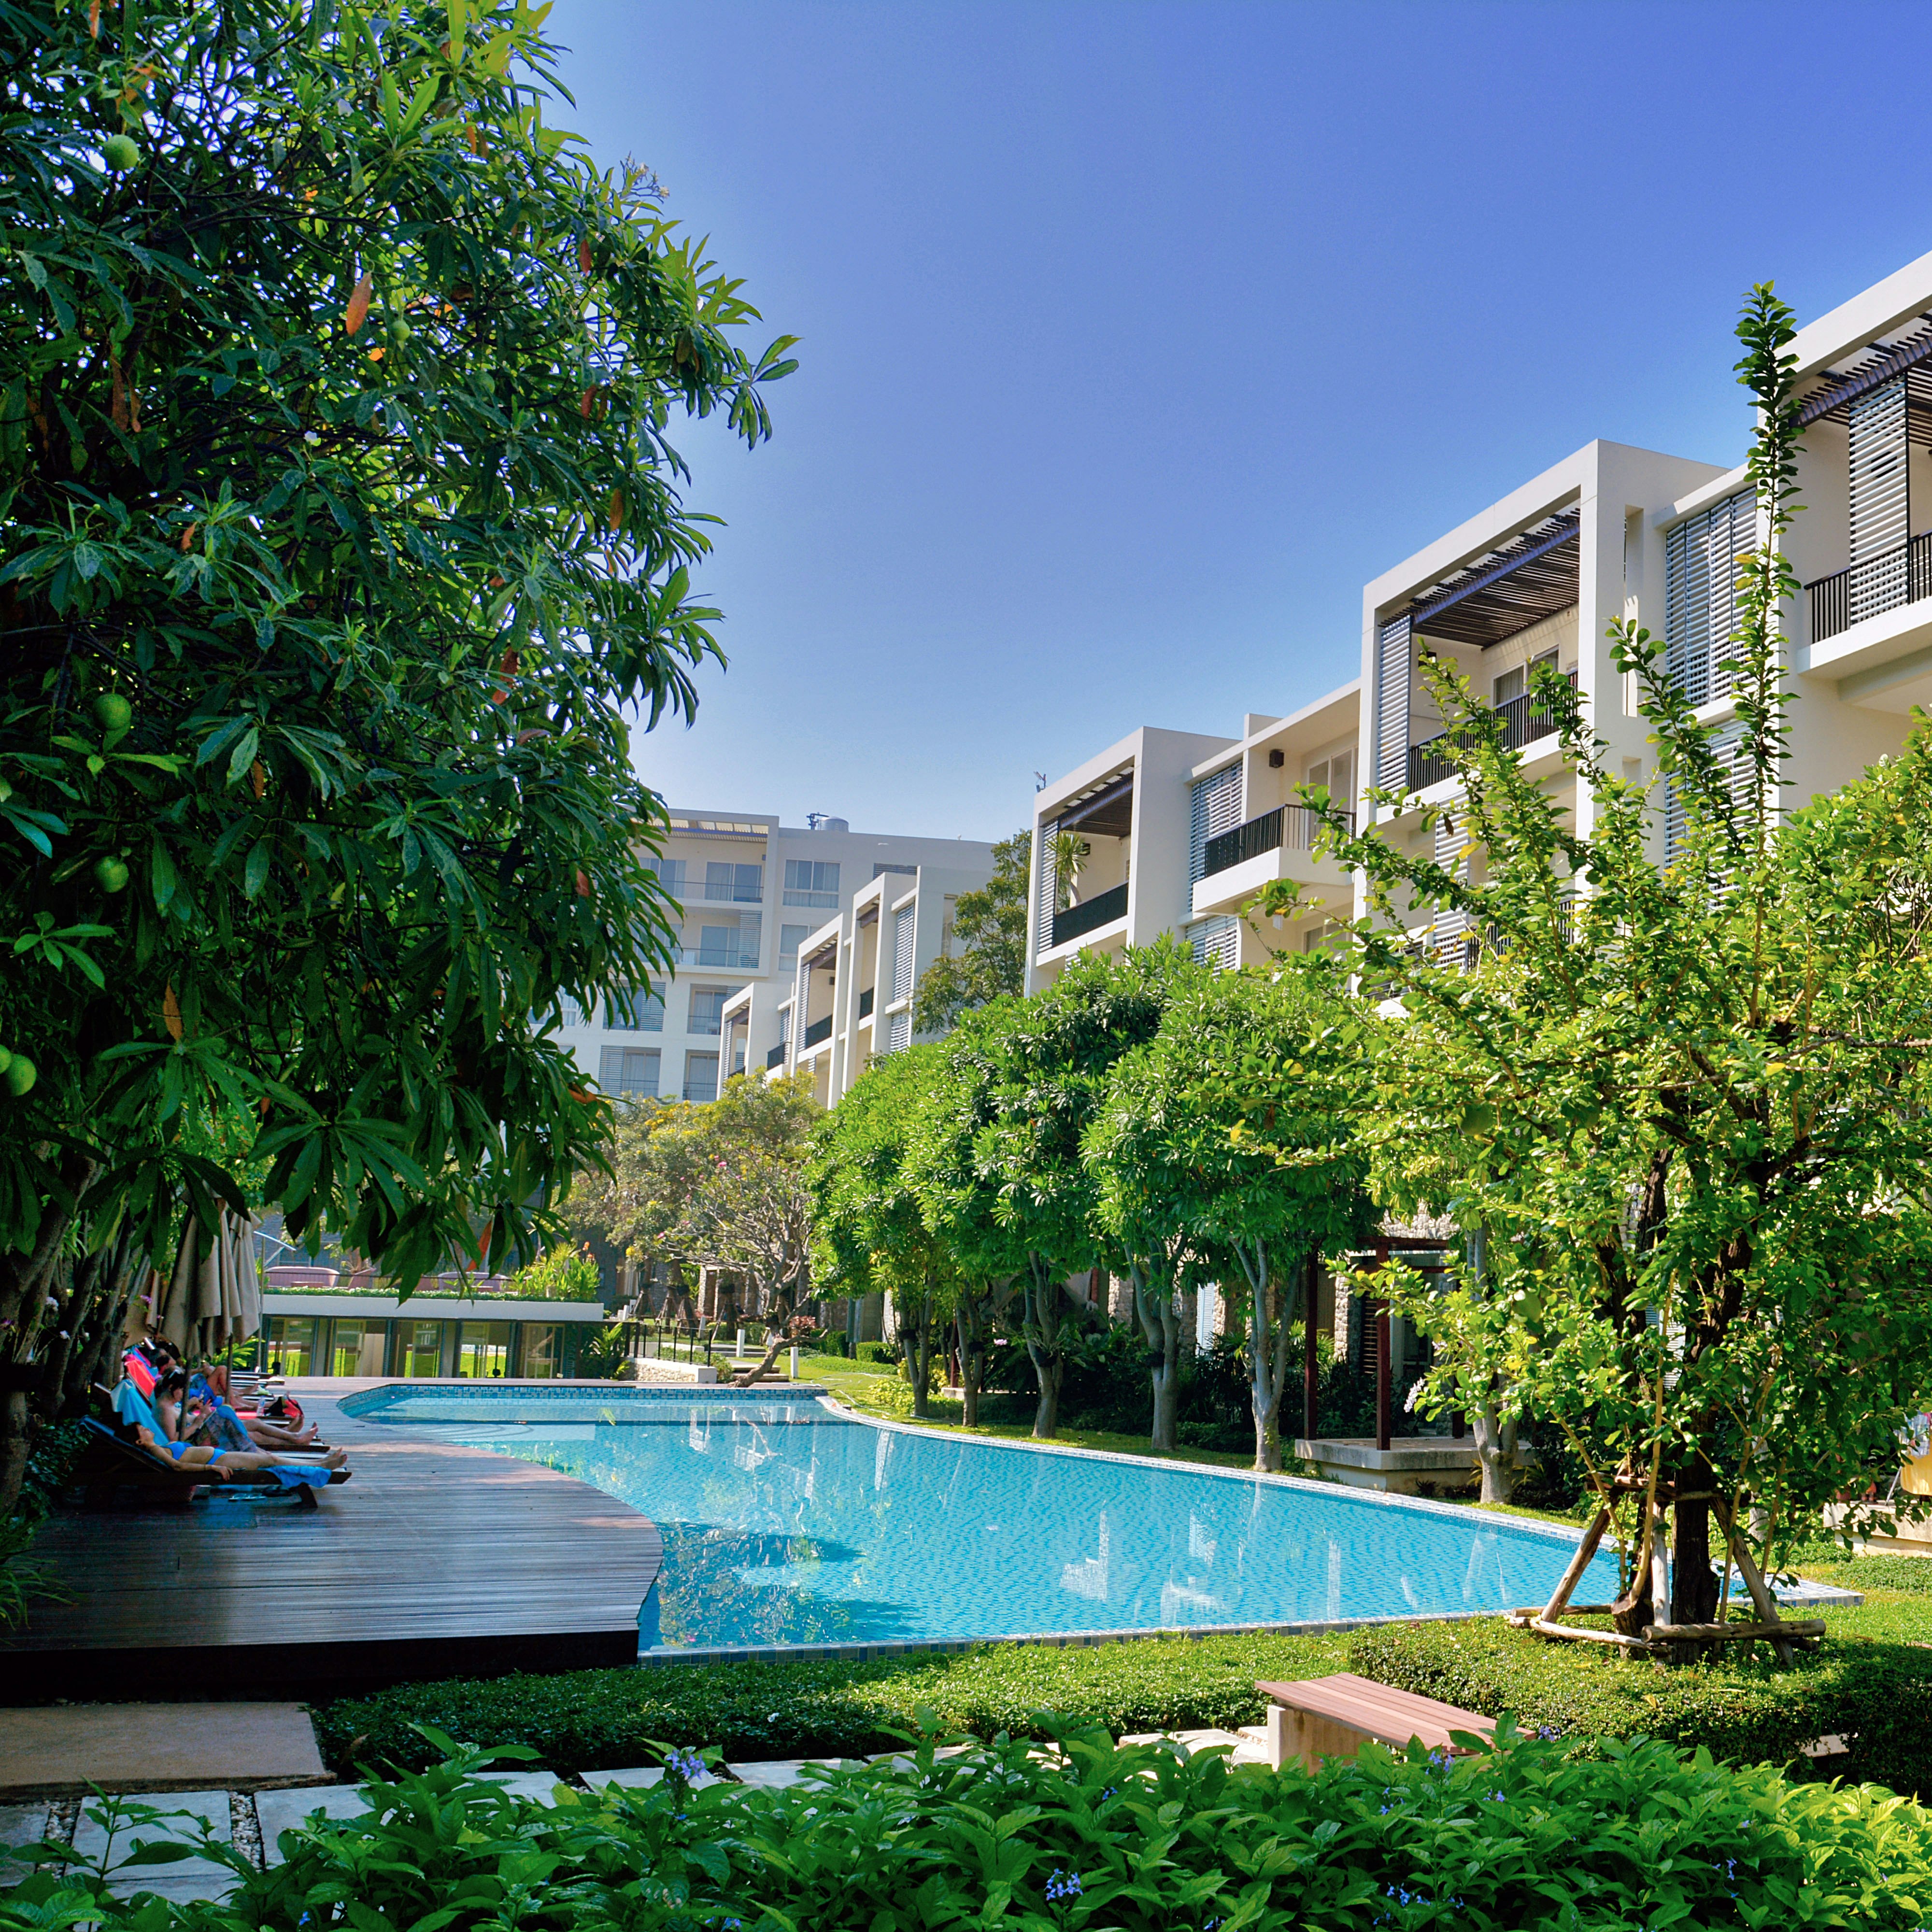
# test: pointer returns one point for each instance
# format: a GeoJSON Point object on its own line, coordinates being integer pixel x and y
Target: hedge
{"type": "Point", "coordinates": [608, 1719]}
{"type": "Point", "coordinates": [1532, 1837]}
{"type": "Point", "coordinates": [1878, 1696]}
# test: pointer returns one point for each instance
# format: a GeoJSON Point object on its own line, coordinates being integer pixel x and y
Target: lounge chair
{"type": "Point", "coordinates": [116, 1458]}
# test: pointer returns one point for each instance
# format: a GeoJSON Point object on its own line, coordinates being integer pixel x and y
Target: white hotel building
{"type": "Point", "coordinates": [1183, 829]}
{"type": "Point", "coordinates": [753, 892]}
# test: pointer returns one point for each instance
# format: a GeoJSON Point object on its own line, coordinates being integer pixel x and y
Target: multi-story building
{"type": "Point", "coordinates": [752, 892]}
{"type": "Point", "coordinates": [851, 995]}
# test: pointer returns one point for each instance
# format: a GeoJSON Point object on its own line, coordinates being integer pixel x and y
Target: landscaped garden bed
{"type": "Point", "coordinates": [1534, 1835]}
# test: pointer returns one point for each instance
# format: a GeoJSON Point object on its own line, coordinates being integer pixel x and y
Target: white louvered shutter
{"type": "Point", "coordinates": [1049, 886]}
{"type": "Point", "coordinates": [1702, 556]}
{"type": "Point", "coordinates": [1395, 667]}
{"type": "Point", "coordinates": [898, 1032]}
{"type": "Point", "coordinates": [1215, 807]}
{"type": "Point", "coordinates": [1216, 942]}
{"type": "Point", "coordinates": [1879, 500]}
{"type": "Point", "coordinates": [902, 953]}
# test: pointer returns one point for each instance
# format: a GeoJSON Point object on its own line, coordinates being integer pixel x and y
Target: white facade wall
{"type": "Point", "coordinates": [751, 890]}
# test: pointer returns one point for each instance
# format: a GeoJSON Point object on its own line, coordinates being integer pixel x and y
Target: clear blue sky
{"type": "Point", "coordinates": [1135, 337]}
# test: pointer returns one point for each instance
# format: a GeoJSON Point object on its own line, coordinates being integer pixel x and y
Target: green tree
{"type": "Point", "coordinates": [560, 1273]}
{"type": "Point", "coordinates": [339, 528]}
{"type": "Point", "coordinates": [1680, 1109]}
{"type": "Point", "coordinates": [749, 1210]}
{"type": "Point", "coordinates": [1228, 1145]}
{"type": "Point", "coordinates": [996, 1159]}
{"type": "Point", "coordinates": [868, 1234]}
{"type": "Point", "coordinates": [989, 925]}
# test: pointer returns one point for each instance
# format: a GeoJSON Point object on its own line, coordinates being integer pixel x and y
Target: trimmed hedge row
{"type": "Point", "coordinates": [607, 1719]}
{"type": "Point", "coordinates": [1877, 1696]}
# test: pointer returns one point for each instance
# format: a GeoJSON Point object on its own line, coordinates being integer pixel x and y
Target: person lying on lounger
{"type": "Point", "coordinates": [233, 1462]}
{"type": "Point", "coordinates": [150, 1430]}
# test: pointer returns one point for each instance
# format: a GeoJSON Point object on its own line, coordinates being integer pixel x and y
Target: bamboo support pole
{"type": "Point", "coordinates": [1571, 1577]}
{"type": "Point", "coordinates": [1736, 1633]}
{"type": "Point", "coordinates": [1636, 1645]}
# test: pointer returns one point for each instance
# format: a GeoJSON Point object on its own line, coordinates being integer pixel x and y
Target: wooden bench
{"type": "Point", "coordinates": [1334, 1716]}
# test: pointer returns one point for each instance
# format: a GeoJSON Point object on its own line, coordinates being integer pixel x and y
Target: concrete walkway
{"type": "Point", "coordinates": [254, 1821]}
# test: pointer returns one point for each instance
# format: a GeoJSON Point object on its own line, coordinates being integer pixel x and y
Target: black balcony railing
{"type": "Point", "coordinates": [1294, 827]}
{"type": "Point", "coordinates": [819, 1029]}
{"type": "Point", "coordinates": [1880, 584]}
{"type": "Point", "coordinates": [1525, 719]}
{"type": "Point", "coordinates": [775, 1057]}
{"type": "Point", "coordinates": [866, 1003]}
{"type": "Point", "coordinates": [1099, 910]}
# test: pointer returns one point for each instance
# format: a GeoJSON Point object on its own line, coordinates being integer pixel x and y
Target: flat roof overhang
{"type": "Point", "coordinates": [1532, 577]}
{"type": "Point", "coordinates": [1107, 809]}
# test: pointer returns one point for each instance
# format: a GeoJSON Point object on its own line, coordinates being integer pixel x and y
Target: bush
{"type": "Point", "coordinates": [1531, 1835]}
{"type": "Point", "coordinates": [591, 1720]}
{"type": "Point", "coordinates": [559, 1274]}
{"type": "Point", "coordinates": [877, 1351]}
{"type": "Point", "coordinates": [830, 1342]}
{"type": "Point", "coordinates": [1877, 1696]}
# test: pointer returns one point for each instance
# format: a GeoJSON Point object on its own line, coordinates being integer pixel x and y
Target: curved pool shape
{"type": "Point", "coordinates": [788, 1523]}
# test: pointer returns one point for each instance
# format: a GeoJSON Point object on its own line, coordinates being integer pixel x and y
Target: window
{"type": "Point", "coordinates": [790, 938]}
{"type": "Point", "coordinates": [1701, 558]}
{"type": "Point", "coordinates": [910, 871]}
{"type": "Point", "coordinates": [744, 885]}
{"type": "Point", "coordinates": [640, 1010]}
{"type": "Point", "coordinates": [355, 1348]}
{"type": "Point", "coordinates": [291, 1344]}
{"type": "Point", "coordinates": [812, 882]}
{"type": "Point", "coordinates": [1338, 775]}
{"type": "Point", "coordinates": [419, 1347]}
{"type": "Point", "coordinates": [483, 1349]}
{"type": "Point", "coordinates": [732, 947]}
{"type": "Point", "coordinates": [1512, 684]}
{"type": "Point", "coordinates": [540, 1351]}
{"type": "Point", "coordinates": [631, 1071]}
{"type": "Point", "coordinates": [707, 1008]}
{"type": "Point", "coordinates": [671, 874]}
{"type": "Point", "coordinates": [700, 1076]}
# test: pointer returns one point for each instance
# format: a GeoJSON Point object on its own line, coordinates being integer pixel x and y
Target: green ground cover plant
{"type": "Point", "coordinates": [1533, 1835]}
{"type": "Point", "coordinates": [1876, 1695]}
{"type": "Point", "coordinates": [605, 1719]}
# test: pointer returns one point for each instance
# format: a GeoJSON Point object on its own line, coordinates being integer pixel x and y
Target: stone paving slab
{"type": "Point", "coordinates": [775, 1773]}
{"type": "Point", "coordinates": [61, 1750]}
{"type": "Point", "coordinates": [281, 1811]}
{"type": "Point", "coordinates": [188, 1878]}
{"type": "Point", "coordinates": [642, 1777]}
{"type": "Point", "coordinates": [20, 1824]}
{"type": "Point", "coordinates": [538, 1784]}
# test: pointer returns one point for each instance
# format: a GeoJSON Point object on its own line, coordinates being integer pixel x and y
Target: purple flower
{"type": "Point", "coordinates": [686, 1765]}
{"type": "Point", "coordinates": [1062, 1885]}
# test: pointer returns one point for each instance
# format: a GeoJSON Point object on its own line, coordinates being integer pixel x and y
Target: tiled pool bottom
{"type": "Point", "coordinates": [788, 1523]}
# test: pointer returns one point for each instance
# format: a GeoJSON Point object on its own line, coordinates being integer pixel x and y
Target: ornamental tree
{"type": "Point", "coordinates": [1226, 1149]}
{"type": "Point", "coordinates": [340, 529]}
{"type": "Point", "coordinates": [989, 928]}
{"type": "Point", "coordinates": [996, 1160]}
{"type": "Point", "coordinates": [868, 1234]}
{"type": "Point", "coordinates": [1677, 1099]}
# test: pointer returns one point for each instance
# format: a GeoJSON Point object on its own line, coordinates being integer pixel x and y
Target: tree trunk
{"type": "Point", "coordinates": [1044, 1317]}
{"type": "Point", "coordinates": [1693, 1588]}
{"type": "Point", "coordinates": [1496, 1454]}
{"type": "Point", "coordinates": [919, 1360]}
{"type": "Point", "coordinates": [1270, 1330]}
{"type": "Point", "coordinates": [972, 1363]}
{"type": "Point", "coordinates": [1160, 1324]}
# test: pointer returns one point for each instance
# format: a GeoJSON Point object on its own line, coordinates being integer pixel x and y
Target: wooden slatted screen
{"type": "Point", "coordinates": [1879, 500]}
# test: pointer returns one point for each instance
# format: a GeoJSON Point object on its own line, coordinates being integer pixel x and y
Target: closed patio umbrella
{"type": "Point", "coordinates": [214, 1299]}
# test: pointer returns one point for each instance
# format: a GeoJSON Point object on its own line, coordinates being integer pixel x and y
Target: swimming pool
{"type": "Point", "coordinates": [786, 1521]}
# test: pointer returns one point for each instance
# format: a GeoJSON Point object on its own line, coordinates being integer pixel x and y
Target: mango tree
{"type": "Point", "coordinates": [340, 531]}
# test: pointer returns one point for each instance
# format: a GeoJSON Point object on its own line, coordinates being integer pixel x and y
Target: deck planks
{"type": "Point", "coordinates": [437, 1559]}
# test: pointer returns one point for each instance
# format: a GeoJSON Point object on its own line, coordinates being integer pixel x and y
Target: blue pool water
{"type": "Point", "coordinates": [785, 1522]}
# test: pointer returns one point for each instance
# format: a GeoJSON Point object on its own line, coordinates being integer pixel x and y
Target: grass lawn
{"type": "Point", "coordinates": [874, 1388]}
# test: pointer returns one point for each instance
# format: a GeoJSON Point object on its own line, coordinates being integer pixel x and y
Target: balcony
{"type": "Point", "coordinates": [865, 1004]}
{"type": "Point", "coordinates": [1525, 719]}
{"type": "Point", "coordinates": [1868, 590]}
{"type": "Point", "coordinates": [819, 1031]}
{"type": "Point", "coordinates": [729, 958]}
{"type": "Point", "coordinates": [775, 1057]}
{"type": "Point", "coordinates": [1090, 914]}
{"type": "Point", "coordinates": [1292, 827]}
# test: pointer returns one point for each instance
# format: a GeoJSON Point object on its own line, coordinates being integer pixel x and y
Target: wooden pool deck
{"type": "Point", "coordinates": [436, 1560]}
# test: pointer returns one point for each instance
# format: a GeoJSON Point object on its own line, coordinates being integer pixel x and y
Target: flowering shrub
{"type": "Point", "coordinates": [1533, 1834]}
